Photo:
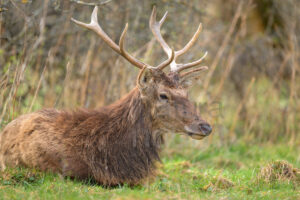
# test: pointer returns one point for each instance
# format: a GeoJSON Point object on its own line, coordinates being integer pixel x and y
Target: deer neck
{"type": "Point", "coordinates": [131, 145]}
{"type": "Point", "coordinates": [132, 119]}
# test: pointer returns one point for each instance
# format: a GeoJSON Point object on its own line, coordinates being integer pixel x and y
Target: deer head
{"type": "Point", "coordinates": [164, 94]}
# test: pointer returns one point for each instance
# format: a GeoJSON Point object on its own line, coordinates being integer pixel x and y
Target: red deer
{"type": "Point", "coordinates": [118, 143]}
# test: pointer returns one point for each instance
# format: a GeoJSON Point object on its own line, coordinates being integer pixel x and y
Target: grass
{"type": "Point", "coordinates": [58, 74]}
{"type": "Point", "coordinates": [232, 172]}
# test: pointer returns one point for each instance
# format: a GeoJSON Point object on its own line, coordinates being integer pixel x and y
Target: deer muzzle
{"type": "Point", "coordinates": [198, 130]}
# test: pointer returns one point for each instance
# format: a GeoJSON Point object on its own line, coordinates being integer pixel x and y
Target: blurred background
{"type": "Point", "coordinates": [250, 92]}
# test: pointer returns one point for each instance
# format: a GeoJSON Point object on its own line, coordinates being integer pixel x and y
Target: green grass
{"type": "Point", "coordinates": [185, 174]}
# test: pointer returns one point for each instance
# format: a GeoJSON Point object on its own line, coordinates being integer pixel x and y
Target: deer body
{"type": "Point", "coordinates": [118, 143]}
{"type": "Point", "coordinates": [114, 144]}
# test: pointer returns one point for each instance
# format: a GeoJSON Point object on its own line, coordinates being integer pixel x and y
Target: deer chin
{"type": "Point", "coordinates": [196, 135]}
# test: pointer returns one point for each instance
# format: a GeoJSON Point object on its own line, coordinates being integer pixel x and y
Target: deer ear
{"type": "Point", "coordinates": [144, 78]}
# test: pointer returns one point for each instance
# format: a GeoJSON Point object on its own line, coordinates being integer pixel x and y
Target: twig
{"type": "Point", "coordinates": [37, 89]}
{"type": "Point", "coordinates": [238, 110]}
{"type": "Point", "coordinates": [19, 10]}
{"type": "Point", "coordinates": [224, 44]}
{"type": "Point", "coordinates": [90, 4]}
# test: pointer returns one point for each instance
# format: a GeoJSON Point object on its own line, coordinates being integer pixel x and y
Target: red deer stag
{"type": "Point", "coordinates": [115, 144]}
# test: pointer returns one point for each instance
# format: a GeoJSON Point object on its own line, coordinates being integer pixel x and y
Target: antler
{"type": "Point", "coordinates": [155, 28]}
{"type": "Point", "coordinates": [94, 26]}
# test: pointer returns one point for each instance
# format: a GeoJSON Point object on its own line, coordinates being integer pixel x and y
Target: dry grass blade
{"type": "Point", "coordinates": [218, 183]}
{"type": "Point", "coordinates": [279, 171]}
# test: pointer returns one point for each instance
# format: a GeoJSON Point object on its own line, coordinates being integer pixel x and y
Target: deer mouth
{"type": "Point", "coordinates": [195, 134]}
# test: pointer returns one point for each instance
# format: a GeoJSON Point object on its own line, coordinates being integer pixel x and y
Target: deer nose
{"type": "Point", "coordinates": [205, 128]}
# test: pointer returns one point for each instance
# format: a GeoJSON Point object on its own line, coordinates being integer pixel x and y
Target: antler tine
{"type": "Point", "coordinates": [191, 42]}
{"type": "Point", "coordinates": [155, 28]}
{"type": "Point", "coordinates": [194, 70]}
{"type": "Point", "coordinates": [94, 26]}
{"type": "Point", "coordinates": [182, 67]}
{"type": "Point", "coordinates": [125, 54]}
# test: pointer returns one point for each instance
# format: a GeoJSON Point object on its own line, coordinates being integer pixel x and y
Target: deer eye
{"type": "Point", "coordinates": [163, 96]}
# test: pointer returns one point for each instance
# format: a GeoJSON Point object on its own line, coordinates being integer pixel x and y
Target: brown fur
{"type": "Point", "coordinates": [111, 147]}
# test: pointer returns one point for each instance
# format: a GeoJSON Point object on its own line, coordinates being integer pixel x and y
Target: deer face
{"type": "Point", "coordinates": [170, 107]}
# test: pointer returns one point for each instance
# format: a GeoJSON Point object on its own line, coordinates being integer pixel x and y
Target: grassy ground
{"type": "Point", "coordinates": [213, 173]}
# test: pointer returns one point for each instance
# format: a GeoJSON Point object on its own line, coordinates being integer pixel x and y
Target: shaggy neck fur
{"type": "Point", "coordinates": [125, 142]}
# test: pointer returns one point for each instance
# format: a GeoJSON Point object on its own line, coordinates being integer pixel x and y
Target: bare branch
{"type": "Point", "coordinates": [90, 4]}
